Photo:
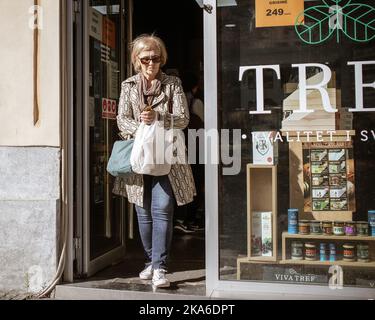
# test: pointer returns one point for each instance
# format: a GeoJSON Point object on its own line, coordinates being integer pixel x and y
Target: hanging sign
{"type": "Point", "coordinates": [109, 108]}
{"type": "Point", "coordinates": [109, 33]}
{"type": "Point", "coordinates": [277, 13]}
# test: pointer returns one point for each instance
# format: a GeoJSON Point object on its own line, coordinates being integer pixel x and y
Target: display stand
{"type": "Point", "coordinates": [261, 197]}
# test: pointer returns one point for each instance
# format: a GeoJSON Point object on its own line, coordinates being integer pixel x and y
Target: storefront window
{"type": "Point", "coordinates": [299, 211]}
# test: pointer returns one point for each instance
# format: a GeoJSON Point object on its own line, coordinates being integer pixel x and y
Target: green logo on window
{"type": "Point", "coordinates": [317, 24]}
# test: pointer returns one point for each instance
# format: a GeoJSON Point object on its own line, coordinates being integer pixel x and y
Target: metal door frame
{"type": "Point", "coordinates": [66, 34]}
{"type": "Point", "coordinates": [89, 267]}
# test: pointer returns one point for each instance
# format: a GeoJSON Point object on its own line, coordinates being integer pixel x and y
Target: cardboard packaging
{"type": "Point", "coordinates": [262, 233]}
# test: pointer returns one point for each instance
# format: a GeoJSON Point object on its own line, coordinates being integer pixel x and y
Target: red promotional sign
{"type": "Point", "coordinates": [109, 109]}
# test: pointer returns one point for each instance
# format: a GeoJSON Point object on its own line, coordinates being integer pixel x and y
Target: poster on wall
{"type": "Point", "coordinates": [271, 13]}
{"type": "Point", "coordinates": [328, 170]}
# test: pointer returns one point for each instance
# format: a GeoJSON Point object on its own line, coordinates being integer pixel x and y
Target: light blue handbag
{"type": "Point", "coordinates": [119, 161]}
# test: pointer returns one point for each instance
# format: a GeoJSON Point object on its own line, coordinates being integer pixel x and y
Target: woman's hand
{"type": "Point", "coordinates": [148, 117]}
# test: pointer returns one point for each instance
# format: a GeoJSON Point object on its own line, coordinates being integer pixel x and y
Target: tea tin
{"type": "Point", "coordinates": [362, 228]}
{"type": "Point", "coordinates": [297, 250]}
{"type": "Point", "coordinates": [327, 227]}
{"type": "Point", "coordinates": [363, 252]}
{"type": "Point", "coordinates": [332, 252]}
{"type": "Point", "coordinates": [310, 251]}
{"type": "Point", "coordinates": [350, 228]}
{"type": "Point", "coordinates": [349, 252]}
{"type": "Point", "coordinates": [339, 228]}
{"type": "Point", "coordinates": [323, 252]}
{"type": "Point", "coordinates": [371, 218]}
{"type": "Point", "coordinates": [315, 227]}
{"type": "Point", "coordinates": [293, 221]}
{"type": "Point", "coordinates": [304, 227]}
{"type": "Point", "coordinates": [371, 221]}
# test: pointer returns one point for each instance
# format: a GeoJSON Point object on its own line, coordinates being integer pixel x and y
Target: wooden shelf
{"type": "Point", "coordinates": [287, 235]}
{"type": "Point", "coordinates": [251, 260]}
{"type": "Point", "coordinates": [261, 197]}
{"type": "Point", "coordinates": [370, 264]}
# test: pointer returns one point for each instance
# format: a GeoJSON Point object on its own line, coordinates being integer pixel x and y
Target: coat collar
{"type": "Point", "coordinates": [165, 79]}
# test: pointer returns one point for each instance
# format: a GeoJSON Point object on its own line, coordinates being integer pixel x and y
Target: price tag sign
{"type": "Point", "coordinates": [277, 13]}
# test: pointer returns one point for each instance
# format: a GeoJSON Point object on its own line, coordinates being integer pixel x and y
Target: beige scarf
{"type": "Point", "coordinates": [146, 96]}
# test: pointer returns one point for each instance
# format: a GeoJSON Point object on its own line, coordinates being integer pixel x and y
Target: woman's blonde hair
{"type": "Point", "coordinates": [147, 42]}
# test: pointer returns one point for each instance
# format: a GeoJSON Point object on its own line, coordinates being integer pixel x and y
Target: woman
{"type": "Point", "coordinates": [154, 197]}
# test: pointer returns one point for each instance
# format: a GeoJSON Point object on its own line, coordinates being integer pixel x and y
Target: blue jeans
{"type": "Point", "coordinates": [155, 220]}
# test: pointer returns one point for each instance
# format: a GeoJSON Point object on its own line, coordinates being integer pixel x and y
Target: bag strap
{"type": "Point", "coordinates": [170, 110]}
{"type": "Point", "coordinates": [170, 105]}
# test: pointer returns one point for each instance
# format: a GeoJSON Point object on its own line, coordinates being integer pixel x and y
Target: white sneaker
{"type": "Point", "coordinates": [146, 274]}
{"type": "Point", "coordinates": [159, 279]}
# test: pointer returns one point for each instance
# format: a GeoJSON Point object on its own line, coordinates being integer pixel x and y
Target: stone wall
{"type": "Point", "coordinates": [29, 217]}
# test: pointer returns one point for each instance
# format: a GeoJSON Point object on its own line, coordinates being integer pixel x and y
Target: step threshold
{"type": "Point", "coordinates": [74, 292]}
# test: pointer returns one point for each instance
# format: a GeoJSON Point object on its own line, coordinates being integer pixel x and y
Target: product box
{"type": "Point", "coordinates": [261, 234]}
{"type": "Point", "coordinates": [265, 150]}
{"type": "Point", "coordinates": [267, 234]}
{"type": "Point", "coordinates": [256, 234]}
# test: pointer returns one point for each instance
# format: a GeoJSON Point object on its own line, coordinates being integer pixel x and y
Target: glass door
{"type": "Point", "coordinates": [104, 68]}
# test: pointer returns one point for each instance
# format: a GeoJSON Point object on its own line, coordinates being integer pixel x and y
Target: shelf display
{"type": "Point", "coordinates": [325, 243]}
{"type": "Point", "coordinates": [332, 250]}
{"type": "Point", "coordinates": [321, 230]}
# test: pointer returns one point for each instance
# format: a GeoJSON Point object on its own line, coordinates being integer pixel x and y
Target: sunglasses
{"type": "Point", "coordinates": [147, 60]}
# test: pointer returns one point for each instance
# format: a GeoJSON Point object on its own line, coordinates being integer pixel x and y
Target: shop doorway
{"type": "Point", "coordinates": [107, 242]}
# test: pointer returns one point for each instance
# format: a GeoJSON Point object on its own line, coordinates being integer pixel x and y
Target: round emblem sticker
{"type": "Point", "coordinates": [269, 159]}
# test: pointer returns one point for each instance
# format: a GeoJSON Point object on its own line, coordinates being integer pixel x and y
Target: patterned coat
{"type": "Point", "coordinates": [172, 97]}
